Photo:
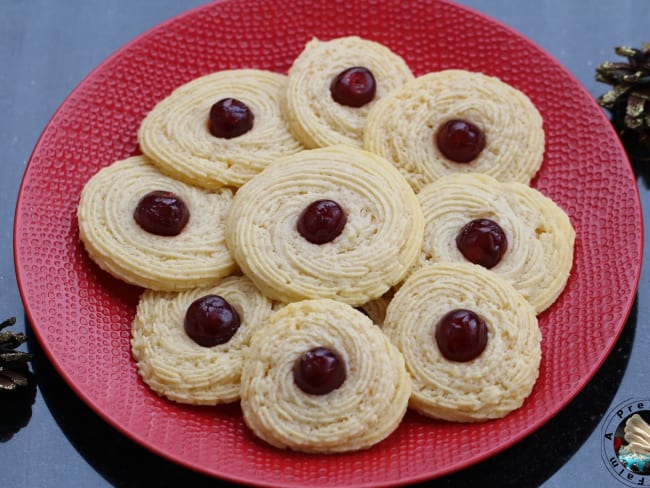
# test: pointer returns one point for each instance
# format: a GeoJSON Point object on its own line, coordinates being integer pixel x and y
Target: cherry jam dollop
{"type": "Point", "coordinates": [211, 320]}
{"type": "Point", "coordinates": [482, 241]}
{"type": "Point", "coordinates": [319, 371]}
{"type": "Point", "coordinates": [230, 118]}
{"type": "Point", "coordinates": [461, 335]}
{"type": "Point", "coordinates": [321, 221]}
{"type": "Point", "coordinates": [354, 87]}
{"type": "Point", "coordinates": [162, 213]}
{"type": "Point", "coordinates": [460, 141]}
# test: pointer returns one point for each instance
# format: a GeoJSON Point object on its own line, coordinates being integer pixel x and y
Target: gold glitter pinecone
{"type": "Point", "coordinates": [13, 364]}
{"type": "Point", "coordinates": [629, 99]}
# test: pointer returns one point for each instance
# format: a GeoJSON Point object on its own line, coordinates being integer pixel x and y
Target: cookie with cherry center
{"type": "Point", "coordinates": [322, 378]}
{"type": "Point", "coordinates": [190, 346]}
{"type": "Point", "coordinates": [334, 83]}
{"type": "Point", "coordinates": [471, 342]}
{"type": "Point", "coordinates": [335, 222]}
{"type": "Point", "coordinates": [509, 228]}
{"type": "Point", "coordinates": [457, 121]}
{"type": "Point", "coordinates": [219, 129]}
{"type": "Point", "coordinates": [151, 230]}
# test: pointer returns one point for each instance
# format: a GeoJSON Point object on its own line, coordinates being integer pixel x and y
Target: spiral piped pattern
{"type": "Point", "coordinates": [540, 236]}
{"type": "Point", "coordinates": [175, 133]}
{"type": "Point", "coordinates": [379, 243]}
{"type": "Point", "coordinates": [198, 256]}
{"type": "Point", "coordinates": [314, 117]}
{"type": "Point", "coordinates": [487, 387]}
{"type": "Point", "coordinates": [402, 126]}
{"type": "Point", "coordinates": [175, 366]}
{"type": "Point", "coordinates": [364, 410]}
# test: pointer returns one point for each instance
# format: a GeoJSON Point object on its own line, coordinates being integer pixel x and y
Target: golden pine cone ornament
{"type": "Point", "coordinates": [629, 99]}
{"type": "Point", "coordinates": [13, 364]}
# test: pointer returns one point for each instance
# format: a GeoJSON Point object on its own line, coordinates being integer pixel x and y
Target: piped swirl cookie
{"type": "Point", "coordinates": [470, 341]}
{"type": "Point", "coordinates": [457, 121]}
{"type": "Point", "coordinates": [320, 377]}
{"type": "Point", "coordinates": [219, 129]}
{"type": "Point", "coordinates": [333, 85]}
{"type": "Point", "coordinates": [190, 346]}
{"type": "Point", "coordinates": [153, 231]}
{"type": "Point", "coordinates": [334, 222]}
{"type": "Point", "coordinates": [510, 228]}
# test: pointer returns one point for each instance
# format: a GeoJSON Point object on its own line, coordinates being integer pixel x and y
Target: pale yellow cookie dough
{"type": "Point", "coordinates": [174, 365]}
{"type": "Point", "coordinates": [489, 386]}
{"type": "Point", "coordinates": [379, 243]}
{"type": "Point", "coordinates": [539, 256]}
{"type": "Point", "coordinates": [198, 256]}
{"type": "Point", "coordinates": [315, 118]}
{"type": "Point", "coordinates": [365, 409]}
{"type": "Point", "coordinates": [175, 133]}
{"type": "Point", "coordinates": [402, 126]}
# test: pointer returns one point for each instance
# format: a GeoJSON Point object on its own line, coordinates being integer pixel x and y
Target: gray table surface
{"type": "Point", "coordinates": [46, 49]}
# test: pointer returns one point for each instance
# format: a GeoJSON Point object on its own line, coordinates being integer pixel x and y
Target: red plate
{"type": "Point", "coordinates": [82, 316]}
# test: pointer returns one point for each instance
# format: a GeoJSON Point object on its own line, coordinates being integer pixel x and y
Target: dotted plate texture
{"type": "Point", "coordinates": [82, 316]}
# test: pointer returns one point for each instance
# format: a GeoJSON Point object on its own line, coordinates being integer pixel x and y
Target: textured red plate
{"type": "Point", "coordinates": [82, 316]}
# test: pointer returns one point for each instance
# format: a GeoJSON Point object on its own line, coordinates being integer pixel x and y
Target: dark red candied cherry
{"type": "Point", "coordinates": [162, 213]}
{"type": "Point", "coordinates": [321, 221]}
{"type": "Point", "coordinates": [319, 371]}
{"type": "Point", "coordinates": [482, 241]}
{"type": "Point", "coordinates": [230, 118]}
{"type": "Point", "coordinates": [460, 140]}
{"type": "Point", "coordinates": [461, 335]}
{"type": "Point", "coordinates": [211, 320]}
{"type": "Point", "coordinates": [354, 87]}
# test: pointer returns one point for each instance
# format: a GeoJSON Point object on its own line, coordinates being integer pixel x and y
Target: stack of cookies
{"type": "Point", "coordinates": [335, 245]}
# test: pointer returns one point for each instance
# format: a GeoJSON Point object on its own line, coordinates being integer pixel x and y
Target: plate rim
{"type": "Point", "coordinates": [172, 457]}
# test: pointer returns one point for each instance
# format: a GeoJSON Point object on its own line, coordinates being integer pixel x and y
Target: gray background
{"type": "Point", "coordinates": [47, 47]}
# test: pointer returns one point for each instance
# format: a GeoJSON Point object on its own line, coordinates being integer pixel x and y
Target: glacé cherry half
{"type": "Point", "coordinates": [461, 335]}
{"type": "Point", "coordinates": [162, 213]}
{"type": "Point", "coordinates": [321, 221]}
{"type": "Point", "coordinates": [319, 371]}
{"type": "Point", "coordinates": [354, 87]}
{"type": "Point", "coordinates": [211, 320]}
{"type": "Point", "coordinates": [230, 118]}
{"type": "Point", "coordinates": [483, 242]}
{"type": "Point", "coordinates": [460, 141]}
